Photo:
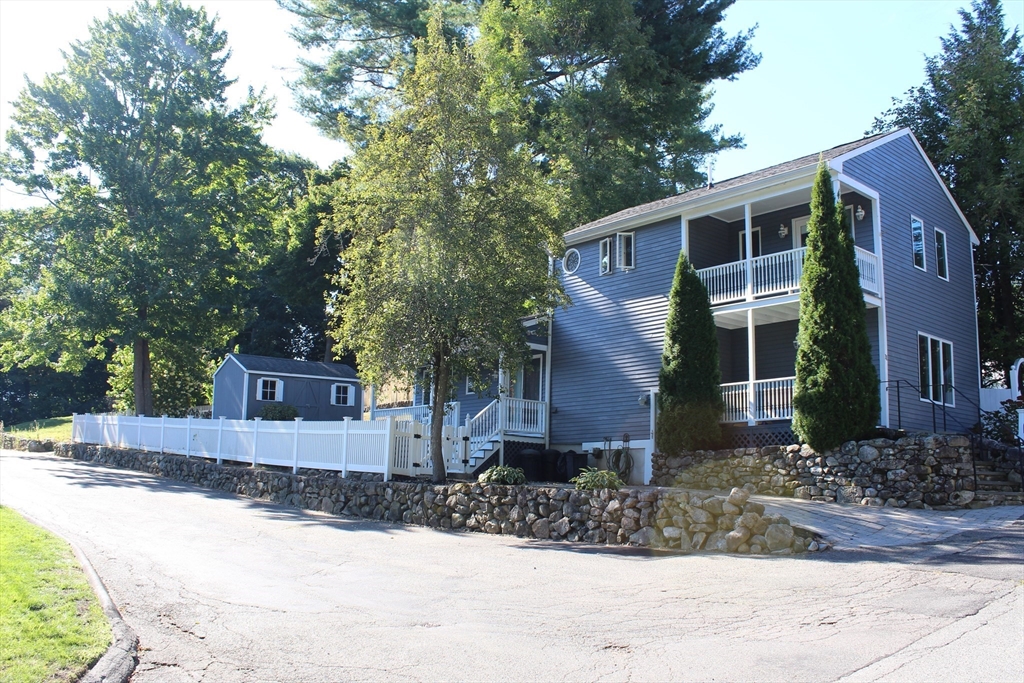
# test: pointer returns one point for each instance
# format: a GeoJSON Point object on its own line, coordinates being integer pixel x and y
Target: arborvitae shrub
{"type": "Point", "coordinates": [837, 393]}
{"type": "Point", "coordinates": [690, 398]}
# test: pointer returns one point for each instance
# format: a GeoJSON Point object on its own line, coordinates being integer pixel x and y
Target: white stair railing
{"type": "Point", "coordinates": [484, 426]}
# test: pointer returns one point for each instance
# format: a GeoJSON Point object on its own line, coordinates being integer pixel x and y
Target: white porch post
{"type": "Point", "coordinates": [748, 240]}
{"type": "Point", "coordinates": [751, 368]}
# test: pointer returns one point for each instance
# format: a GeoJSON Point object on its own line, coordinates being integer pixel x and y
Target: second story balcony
{"type": "Point", "coordinates": [774, 275]}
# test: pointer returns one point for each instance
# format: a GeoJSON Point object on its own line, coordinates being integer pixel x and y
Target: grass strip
{"type": "Point", "coordinates": [55, 429]}
{"type": "Point", "coordinates": [51, 625]}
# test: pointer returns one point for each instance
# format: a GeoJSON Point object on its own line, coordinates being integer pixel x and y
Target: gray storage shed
{"type": "Point", "coordinates": [244, 384]}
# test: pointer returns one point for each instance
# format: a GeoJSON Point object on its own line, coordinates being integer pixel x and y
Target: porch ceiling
{"type": "Point", "coordinates": [763, 315]}
{"type": "Point", "coordinates": [769, 204]}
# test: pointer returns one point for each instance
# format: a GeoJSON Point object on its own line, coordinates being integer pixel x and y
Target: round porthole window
{"type": "Point", "coordinates": [571, 261]}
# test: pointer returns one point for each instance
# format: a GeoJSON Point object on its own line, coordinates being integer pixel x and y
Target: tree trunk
{"type": "Point", "coordinates": [441, 387]}
{"type": "Point", "coordinates": [143, 377]}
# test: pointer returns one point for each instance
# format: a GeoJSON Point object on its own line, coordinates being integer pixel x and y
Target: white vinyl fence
{"type": "Point", "coordinates": [348, 445]}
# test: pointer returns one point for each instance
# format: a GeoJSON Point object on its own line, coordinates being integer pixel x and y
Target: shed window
{"type": "Point", "coordinates": [940, 254]}
{"type": "Point", "coordinates": [343, 395]}
{"type": "Point", "coordinates": [917, 237]}
{"type": "Point", "coordinates": [270, 390]}
{"type": "Point", "coordinates": [936, 362]}
{"type": "Point", "coordinates": [625, 254]}
{"type": "Point", "coordinates": [606, 256]}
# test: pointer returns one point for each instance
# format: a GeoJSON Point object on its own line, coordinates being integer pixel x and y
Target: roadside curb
{"type": "Point", "coordinates": [118, 663]}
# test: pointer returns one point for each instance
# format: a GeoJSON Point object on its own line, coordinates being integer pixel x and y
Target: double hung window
{"type": "Point", "coordinates": [270, 389]}
{"type": "Point", "coordinates": [343, 395]}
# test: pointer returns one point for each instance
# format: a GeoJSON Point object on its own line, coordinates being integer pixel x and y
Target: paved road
{"type": "Point", "coordinates": [221, 588]}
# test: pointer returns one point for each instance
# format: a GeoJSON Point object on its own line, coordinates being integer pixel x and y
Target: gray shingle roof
{"type": "Point", "coordinates": [809, 160]}
{"type": "Point", "coordinates": [287, 366]}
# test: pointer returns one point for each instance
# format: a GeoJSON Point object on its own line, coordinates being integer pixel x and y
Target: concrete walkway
{"type": "Point", "coordinates": [861, 526]}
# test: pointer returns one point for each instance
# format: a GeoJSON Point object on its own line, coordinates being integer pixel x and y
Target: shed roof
{"type": "Point", "coordinates": [288, 366]}
{"type": "Point", "coordinates": [778, 169]}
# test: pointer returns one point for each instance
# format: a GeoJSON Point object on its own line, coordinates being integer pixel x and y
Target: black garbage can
{"type": "Point", "coordinates": [574, 464]}
{"type": "Point", "coordinates": [533, 464]}
{"type": "Point", "coordinates": [551, 471]}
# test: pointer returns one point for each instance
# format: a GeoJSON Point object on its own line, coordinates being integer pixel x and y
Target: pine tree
{"type": "Point", "coordinates": [689, 382]}
{"type": "Point", "coordinates": [836, 395]}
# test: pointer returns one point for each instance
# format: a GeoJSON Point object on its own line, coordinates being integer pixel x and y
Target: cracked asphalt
{"type": "Point", "coordinates": [223, 588]}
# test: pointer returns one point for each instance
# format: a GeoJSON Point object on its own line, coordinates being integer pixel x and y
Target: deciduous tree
{"type": "Point", "coordinates": [451, 226]}
{"type": "Point", "coordinates": [146, 172]}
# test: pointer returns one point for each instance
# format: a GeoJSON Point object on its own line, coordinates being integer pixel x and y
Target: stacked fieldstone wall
{"type": "Point", "coordinates": [650, 517]}
{"type": "Point", "coordinates": [918, 471]}
{"type": "Point", "coordinates": [16, 443]}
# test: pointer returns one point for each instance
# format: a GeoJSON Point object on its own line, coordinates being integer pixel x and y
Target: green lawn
{"type": "Point", "coordinates": [56, 429]}
{"type": "Point", "coordinates": [51, 625]}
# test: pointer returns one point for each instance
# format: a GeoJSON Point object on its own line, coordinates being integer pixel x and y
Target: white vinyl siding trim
{"type": "Point", "coordinates": [270, 389]}
{"type": "Point", "coordinates": [625, 251]}
{"type": "Point", "coordinates": [941, 258]}
{"type": "Point", "coordinates": [917, 242]}
{"type": "Point", "coordinates": [343, 395]}
{"type": "Point", "coordinates": [935, 359]}
{"type": "Point", "coordinates": [606, 256]}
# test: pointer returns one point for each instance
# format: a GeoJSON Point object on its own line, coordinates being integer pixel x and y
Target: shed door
{"type": "Point", "coordinates": [307, 403]}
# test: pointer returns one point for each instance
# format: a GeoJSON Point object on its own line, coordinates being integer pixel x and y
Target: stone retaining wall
{"type": "Point", "coordinates": [916, 471]}
{"type": "Point", "coordinates": [650, 517]}
{"type": "Point", "coordinates": [16, 443]}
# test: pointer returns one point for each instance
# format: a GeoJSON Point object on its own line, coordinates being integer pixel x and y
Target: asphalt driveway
{"type": "Point", "coordinates": [222, 588]}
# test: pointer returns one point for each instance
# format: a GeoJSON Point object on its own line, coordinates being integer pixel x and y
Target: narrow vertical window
{"type": "Point", "coordinates": [936, 367]}
{"type": "Point", "coordinates": [940, 254]}
{"type": "Point", "coordinates": [625, 253]}
{"type": "Point", "coordinates": [606, 256]}
{"type": "Point", "coordinates": [917, 236]}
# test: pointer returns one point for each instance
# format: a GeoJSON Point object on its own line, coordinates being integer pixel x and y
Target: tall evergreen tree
{"type": "Point", "coordinates": [690, 395]}
{"type": "Point", "coordinates": [969, 118]}
{"type": "Point", "coordinates": [836, 396]}
{"type": "Point", "coordinates": [618, 89]}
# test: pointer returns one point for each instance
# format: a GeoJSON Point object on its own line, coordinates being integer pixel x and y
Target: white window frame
{"type": "Point", "coordinates": [605, 256]}
{"type": "Point", "coordinates": [278, 390]}
{"type": "Point", "coordinates": [796, 224]}
{"type": "Point", "coordinates": [913, 245]}
{"type": "Point", "coordinates": [943, 263]}
{"type": "Point", "coordinates": [951, 402]}
{"type": "Point", "coordinates": [755, 233]}
{"type": "Point", "coordinates": [620, 250]}
{"type": "Point", "coordinates": [565, 258]}
{"type": "Point", "coordinates": [350, 394]}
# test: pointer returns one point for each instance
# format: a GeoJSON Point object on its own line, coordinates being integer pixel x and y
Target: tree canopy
{"type": "Point", "coordinates": [147, 174]}
{"type": "Point", "coordinates": [617, 91]}
{"type": "Point", "coordinates": [451, 223]}
{"type": "Point", "coordinates": [836, 397]}
{"type": "Point", "coordinates": [968, 116]}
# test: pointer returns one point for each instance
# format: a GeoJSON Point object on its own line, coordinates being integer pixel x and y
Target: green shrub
{"type": "Point", "coordinates": [279, 411]}
{"type": "Point", "coordinates": [836, 395]}
{"type": "Point", "coordinates": [502, 474]}
{"type": "Point", "coordinates": [591, 479]}
{"type": "Point", "coordinates": [689, 427]}
{"type": "Point", "coordinates": [690, 395]}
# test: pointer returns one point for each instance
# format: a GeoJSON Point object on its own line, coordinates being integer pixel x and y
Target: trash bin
{"type": "Point", "coordinates": [551, 471]}
{"type": "Point", "coordinates": [574, 464]}
{"type": "Point", "coordinates": [533, 464]}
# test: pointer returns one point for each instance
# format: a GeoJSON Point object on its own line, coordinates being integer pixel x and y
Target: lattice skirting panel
{"type": "Point", "coordinates": [761, 436]}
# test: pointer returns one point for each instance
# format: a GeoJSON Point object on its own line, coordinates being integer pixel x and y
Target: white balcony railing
{"type": "Point", "coordinates": [773, 400]}
{"type": "Point", "coordinates": [419, 413]}
{"type": "Point", "coordinates": [774, 274]}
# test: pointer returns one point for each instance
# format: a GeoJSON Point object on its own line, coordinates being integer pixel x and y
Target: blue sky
{"type": "Point", "coordinates": [827, 69]}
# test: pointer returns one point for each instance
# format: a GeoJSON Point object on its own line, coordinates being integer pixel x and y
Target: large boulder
{"type": "Point", "coordinates": [779, 536]}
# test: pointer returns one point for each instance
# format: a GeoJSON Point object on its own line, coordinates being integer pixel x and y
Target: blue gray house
{"type": "Point", "coordinates": [244, 384]}
{"type": "Point", "coordinates": [746, 237]}
{"type": "Point", "coordinates": [593, 376]}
